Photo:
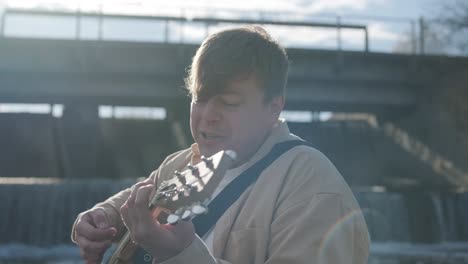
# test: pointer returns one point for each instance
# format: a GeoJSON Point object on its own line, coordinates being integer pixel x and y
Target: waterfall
{"type": "Point", "coordinates": [43, 214]}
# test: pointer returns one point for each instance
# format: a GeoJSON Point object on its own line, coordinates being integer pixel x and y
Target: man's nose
{"type": "Point", "coordinates": [212, 112]}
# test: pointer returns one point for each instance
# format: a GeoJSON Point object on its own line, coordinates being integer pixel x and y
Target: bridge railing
{"type": "Point", "coordinates": [185, 26]}
{"type": "Point", "coordinates": [182, 20]}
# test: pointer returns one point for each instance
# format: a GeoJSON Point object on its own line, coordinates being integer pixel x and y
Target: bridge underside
{"type": "Point", "coordinates": [125, 73]}
{"type": "Point", "coordinates": [84, 74]}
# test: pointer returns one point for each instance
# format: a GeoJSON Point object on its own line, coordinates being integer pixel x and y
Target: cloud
{"type": "Point", "coordinates": [320, 6]}
{"type": "Point", "coordinates": [381, 32]}
{"type": "Point", "coordinates": [310, 6]}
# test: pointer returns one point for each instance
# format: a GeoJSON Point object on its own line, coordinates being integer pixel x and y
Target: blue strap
{"type": "Point", "coordinates": [234, 189]}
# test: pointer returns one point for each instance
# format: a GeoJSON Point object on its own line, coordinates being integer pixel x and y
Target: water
{"type": "Point", "coordinates": [16, 253]}
{"type": "Point", "coordinates": [405, 227]}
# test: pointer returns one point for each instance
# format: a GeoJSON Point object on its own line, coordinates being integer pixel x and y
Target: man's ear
{"type": "Point", "coordinates": [276, 106]}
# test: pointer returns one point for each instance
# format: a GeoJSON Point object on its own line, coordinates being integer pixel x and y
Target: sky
{"type": "Point", "coordinates": [389, 21]}
{"type": "Point", "coordinates": [394, 8]}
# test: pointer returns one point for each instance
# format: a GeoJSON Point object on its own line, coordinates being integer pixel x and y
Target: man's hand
{"type": "Point", "coordinates": [93, 234]}
{"type": "Point", "coordinates": [161, 241]}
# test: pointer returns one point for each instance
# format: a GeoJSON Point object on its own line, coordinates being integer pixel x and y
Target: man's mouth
{"type": "Point", "coordinates": [209, 136]}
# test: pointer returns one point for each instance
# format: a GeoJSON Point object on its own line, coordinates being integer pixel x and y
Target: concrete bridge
{"type": "Point", "coordinates": [129, 73]}
{"type": "Point", "coordinates": [405, 199]}
{"type": "Point", "coordinates": [422, 94]}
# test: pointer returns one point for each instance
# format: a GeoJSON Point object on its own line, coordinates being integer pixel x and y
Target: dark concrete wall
{"type": "Point", "coordinates": [106, 72]}
{"type": "Point", "coordinates": [39, 145]}
{"type": "Point", "coordinates": [28, 146]}
{"type": "Point", "coordinates": [441, 117]}
{"type": "Point", "coordinates": [365, 156]}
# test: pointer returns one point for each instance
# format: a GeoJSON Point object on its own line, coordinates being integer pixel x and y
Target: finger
{"type": "Point", "coordinates": [99, 235]}
{"type": "Point", "coordinates": [92, 250]}
{"type": "Point", "coordinates": [90, 260]}
{"type": "Point", "coordinates": [183, 227]}
{"type": "Point", "coordinates": [125, 215]}
{"type": "Point", "coordinates": [99, 218]}
{"type": "Point", "coordinates": [85, 229]}
{"type": "Point", "coordinates": [131, 198]}
{"type": "Point", "coordinates": [185, 232]}
{"type": "Point", "coordinates": [142, 196]}
{"type": "Point", "coordinates": [141, 211]}
{"type": "Point", "coordinates": [175, 236]}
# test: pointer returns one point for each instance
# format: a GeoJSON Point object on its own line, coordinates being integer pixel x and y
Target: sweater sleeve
{"type": "Point", "coordinates": [111, 207]}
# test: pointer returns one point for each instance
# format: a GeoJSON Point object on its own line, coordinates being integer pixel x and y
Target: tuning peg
{"type": "Point", "coordinates": [196, 173]}
{"type": "Point", "coordinates": [199, 209]}
{"type": "Point", "coordinates": [194, 170]}
{"type": "Point", "coordinates": [182, 191]}
{"type": "Point", "coordinates": [231, 154]}
{"type": "Point", "coordinates": [168, 195]}
{"type": "Point", "coordinates": [180, 177]}
{"type": "Point", "coordinates": [175, 217]}
{"type": "Point", "coordinates": [186, 190]}
{"type": "Point", "coordinates": [186, 214]}
{"type": "Point", "coordinates": [208, 163]}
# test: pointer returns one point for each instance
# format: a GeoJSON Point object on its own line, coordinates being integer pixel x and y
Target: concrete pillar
{"type": "Point", "coordinates": [178, 116]}
{"type": "Point", "coordinates": [80, 134]}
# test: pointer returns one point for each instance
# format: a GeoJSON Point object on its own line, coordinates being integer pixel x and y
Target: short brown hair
{"type": "Point", "coordinates": [237, 53]}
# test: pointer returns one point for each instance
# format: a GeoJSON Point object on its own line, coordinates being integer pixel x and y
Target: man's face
{"type": "Point", "coordinates": [235, 119]}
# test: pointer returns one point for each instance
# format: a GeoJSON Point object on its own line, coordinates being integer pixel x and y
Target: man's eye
{"type": "Point", "coordinates": [200, 101]}
{"type": "Point", "coordinates": [229, 101]}
{"type": "Point", "coordinates": [231, 104]}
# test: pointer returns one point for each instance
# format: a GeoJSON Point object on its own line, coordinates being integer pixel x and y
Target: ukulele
{"type": "Point", "coordinates": [182, 197]}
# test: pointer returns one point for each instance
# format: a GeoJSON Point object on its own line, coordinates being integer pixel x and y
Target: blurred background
{"type": "Point", "coordinates": [92, 98]}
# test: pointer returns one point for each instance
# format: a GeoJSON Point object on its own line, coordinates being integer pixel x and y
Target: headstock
{"type": "Point", "coordinates": [188, 192]}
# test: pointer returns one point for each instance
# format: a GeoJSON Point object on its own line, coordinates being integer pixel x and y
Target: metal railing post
{"type": "Point", "coordinates": [338, 32]}
{"type": "Point", "coordinates": [366, 39]}
{"type": "Point", "coordinates": [78, 22]}
{"type": "Point", "coordinates": [207, 29]}
{"type": "Point", "coordinates": [2, 25]}
{"type": "Point", "coordinates": [182, 24]}
{"type": "Point", "coordinates": [100, 21]}
{"type": "Point", "coordinates": [414, 44]}
{"type": "Point", "coordinates": [166, 32]}
{"type": "Point", "coordinates": [421, 35]}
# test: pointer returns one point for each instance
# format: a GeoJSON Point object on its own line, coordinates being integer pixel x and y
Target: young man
{"type": "Point", "coordinates": [300, 210]}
